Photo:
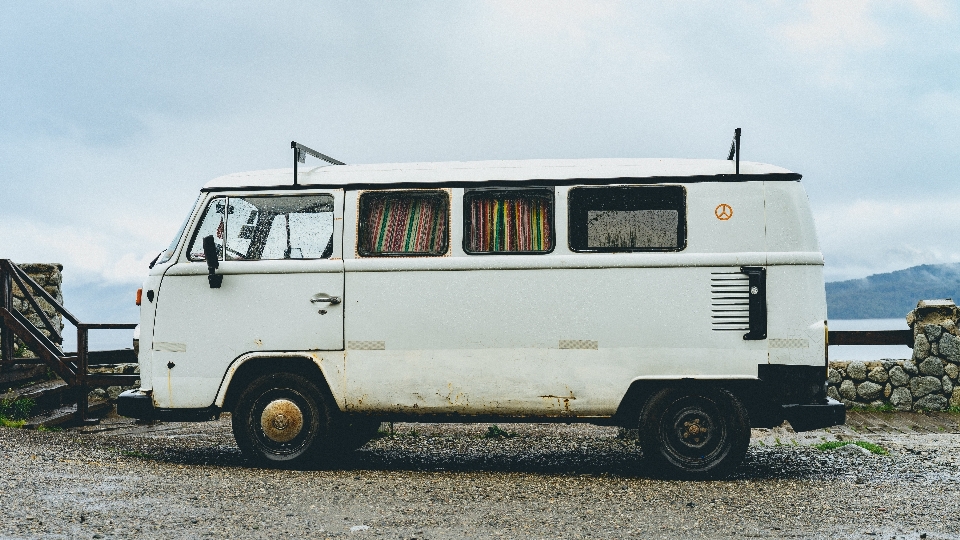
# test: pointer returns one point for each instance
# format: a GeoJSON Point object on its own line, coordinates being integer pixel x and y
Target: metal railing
{"type": "Point", "coordinates": [72, 367]}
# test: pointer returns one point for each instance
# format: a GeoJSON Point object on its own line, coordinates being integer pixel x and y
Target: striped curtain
{"type": "Point", "coordinates": [509, 223]}
{"type": "Point", "coordinates": [405, 223]}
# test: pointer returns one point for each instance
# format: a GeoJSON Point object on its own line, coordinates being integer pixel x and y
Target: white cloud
{"type": "Point", "coordinates": [875, 236]}
{"type": "Point", "coordinates": [832, 24]}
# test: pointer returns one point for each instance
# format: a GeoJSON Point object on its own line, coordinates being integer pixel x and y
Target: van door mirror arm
{"type": "Point", "coordinates": [213, 262]}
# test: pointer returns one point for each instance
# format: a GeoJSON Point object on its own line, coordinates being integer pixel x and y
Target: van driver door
{"type": "Point", "coordinates": [282, 289]}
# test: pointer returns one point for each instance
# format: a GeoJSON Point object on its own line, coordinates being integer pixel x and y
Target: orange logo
{"type": "Point", "coordinates": [723, 212]}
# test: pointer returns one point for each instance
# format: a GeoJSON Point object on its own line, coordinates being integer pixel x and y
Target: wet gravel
{"type": "Point", "coordinates": [449, 481]}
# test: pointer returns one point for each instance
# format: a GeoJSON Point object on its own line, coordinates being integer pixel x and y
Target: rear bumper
{"type": "Point", "coordinates": [810, 417]}
{"type": "Point", "coordinates": [139, 405]}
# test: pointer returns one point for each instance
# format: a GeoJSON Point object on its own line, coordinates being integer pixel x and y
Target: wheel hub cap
{"type": "Point", "coordinates": [281, 420]}
{"type": "Point", "coordinates": [694, 432]}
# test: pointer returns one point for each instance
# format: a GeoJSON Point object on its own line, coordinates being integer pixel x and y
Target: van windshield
{"type": "Point", "coordinates": [168, 253]}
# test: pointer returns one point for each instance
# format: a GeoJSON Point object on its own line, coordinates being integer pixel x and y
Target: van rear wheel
{"type": "Point", "coordinates": [281, 420]}
{"type": "Point", "coordinates": [694, 433]}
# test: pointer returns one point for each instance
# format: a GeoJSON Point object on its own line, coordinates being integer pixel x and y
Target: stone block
{"type": "Point", "coordinates": [878, 375]}
{"type": "Point", "coordinates": [932, 402]}
{"type": "Point", "coordinates": [951, 370]}
{"type": "Point", "coordinates": [857, 371]}
{"type": "Point", "coordinates": [947, 384]}
{"type": "Point", "coordinates": [848, 390]}
{"type": "Point", "coordinates": [899, 377]}
{"type": "Point", "coordinates": [834, 376]}
{"type": "Point", "coordinates": [932, 366]}
{"type": "Point", "coordinates": [832, 393]}
{"type": "Point", "coordinates": [950, 348]}
{"type": "Point", "coordinates": [887, 390]}
{"type": "Point", "coordinates": [932, 331]}
{"type": "Point", "coordinates": [902, 399]}
{"type": "Point", "coordinates": [955, 398]}
{"type": "Point", "coordinates": [921, 348]}
{"type": "Point", "coordinates": [910, 368]}
{"type": "Point", "coordinates": [869, 390]}
{"type": "Point", "coordinates": [921, 386]}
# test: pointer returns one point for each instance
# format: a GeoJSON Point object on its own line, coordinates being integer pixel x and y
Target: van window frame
{"type": "Point", "coordinates": [577, 223]}
{"type": "Point", "coordinates": [226, 197]}
{"type": "Point", "coordinates": [550, 191]}
{"type": "Point", "coordinates": [439, 193]}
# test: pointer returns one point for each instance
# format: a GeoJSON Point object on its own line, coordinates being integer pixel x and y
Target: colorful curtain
{"type": "Point", "coordinates": [509, 223]}
{"type": "Point", "coordinates": [405, 223]}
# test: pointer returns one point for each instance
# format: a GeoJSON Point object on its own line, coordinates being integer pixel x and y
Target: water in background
{"type": "Point", "coordinates": [869, 352]}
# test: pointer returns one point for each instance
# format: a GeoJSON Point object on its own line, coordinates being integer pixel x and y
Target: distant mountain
{"type": "Point", "coordinates": [892, 295]}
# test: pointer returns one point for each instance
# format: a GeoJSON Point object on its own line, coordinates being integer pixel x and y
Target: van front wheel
{"type": "Point", "coordinates": [694, 433]}
{"type": "Point", "coordinates": [281, 420]}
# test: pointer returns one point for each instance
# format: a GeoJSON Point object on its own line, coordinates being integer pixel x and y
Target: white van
{"type": "Point", "coordinates": [677, 296]}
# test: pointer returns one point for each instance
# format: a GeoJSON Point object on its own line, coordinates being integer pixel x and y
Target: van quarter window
{"type": "Point", "coordinates": [629, 218]}
{"type": "Point", "coordinates": [514, 221]}
{"type": "Point", "coordinates": [259, 228]}
{"type": "Point", "coordinates": [403, 223]}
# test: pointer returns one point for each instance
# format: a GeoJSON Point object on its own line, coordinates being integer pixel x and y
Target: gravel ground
{"type": "Point", "coordinates": [448, 481]}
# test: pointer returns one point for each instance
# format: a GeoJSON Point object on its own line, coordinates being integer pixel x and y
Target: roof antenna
{"type": "Point", "coordinates": [300, 156]}
{"type": "Point", "coordinates": [735, 148]}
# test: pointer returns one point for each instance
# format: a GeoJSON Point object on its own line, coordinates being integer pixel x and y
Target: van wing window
{"type": "Point", "coordinates": [268, 227]}
{"type": "Point", "coordinates": [509, 221]}
{"type": "Point", "coordinates": [213, 224]}
{"type": "Point", "coordinates": [403, 223]}
{"type": "Point", "coordinates": [627, 218]}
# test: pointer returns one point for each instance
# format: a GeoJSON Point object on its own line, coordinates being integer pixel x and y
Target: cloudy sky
{"type": "Point", "coordinates": [112, 115]}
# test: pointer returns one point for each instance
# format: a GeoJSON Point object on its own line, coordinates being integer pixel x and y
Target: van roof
{"type": "Point", "coordinates": [504, 173]}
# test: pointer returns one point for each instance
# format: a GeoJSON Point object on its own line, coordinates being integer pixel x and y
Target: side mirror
{"type": "Point", "coordinates": [213, 262]}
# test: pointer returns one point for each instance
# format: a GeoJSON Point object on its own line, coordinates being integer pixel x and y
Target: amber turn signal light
{"type": "Point", "coordinates": [139, 295]}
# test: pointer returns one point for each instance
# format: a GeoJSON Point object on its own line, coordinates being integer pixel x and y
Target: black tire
{"type": "Point", "coordinates": [282, 420]}
{"type": "Point", "coordinates": [694, 432]}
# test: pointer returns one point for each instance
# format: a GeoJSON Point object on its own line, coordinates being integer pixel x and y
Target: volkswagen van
{"type": "Point", "coordinates": [684, 298]}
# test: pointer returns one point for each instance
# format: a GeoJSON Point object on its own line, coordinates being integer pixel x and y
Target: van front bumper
{"type": "Point", "coordinates": [810, 417]}
{"type": "Point", "coordinates": [138, 404]}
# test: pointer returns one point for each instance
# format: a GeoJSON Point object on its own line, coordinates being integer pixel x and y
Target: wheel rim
{"type": "Point", "coordinates": [693, 432]}
{"type": "Point", "coordinates": [283, 423]}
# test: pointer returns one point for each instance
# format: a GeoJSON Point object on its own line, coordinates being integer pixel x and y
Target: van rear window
{"type": "Point", "coordinates": [627, 218]}
{"type": "Point", "coordinates": [514, 221]}
{"type": "Point", "coordinates": [403, 223]}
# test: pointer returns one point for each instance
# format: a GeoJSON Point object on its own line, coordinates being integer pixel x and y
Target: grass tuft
{"type": "Point", "coordinates": [873, 448]}
{"type": "Point", "coordinates": [494, 432]}
{"type": "Point", "coordinates": [14, 413]}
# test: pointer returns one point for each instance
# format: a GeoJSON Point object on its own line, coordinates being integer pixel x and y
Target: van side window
{"type": "Point", "coordinates": [508, 221]}
{"type": "Point", "coordinates": [629, 218]}
{"type": "Point", "coordinates": [403, 223]}
{"type": "Point", "coordinates": [262, 228]}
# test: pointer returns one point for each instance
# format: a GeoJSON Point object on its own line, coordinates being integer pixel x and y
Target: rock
{"type": "Point", "coordinates": [921, 386]}
{"type": "Point", "coordinates": [932, 366]}
{"type": "Point", "coordinates": [910, 367]}
{"type": "Point", "coordinates": [869, 390]}
{"type": "Point", "coordinates": [832, 393]}
{"type": "Point", "coordinates": [951, 370]}
{"type": "Point", "coordinates": [932, 331]}
{"type": "Point", "coordinates": [876, 404]}
{"type": "Point", "coordinates": [888, 364]}
{"type": "Point", "coordinates": [848, 390]}
{"type": "Point", "coordinates": [950, 347]}
{"type": "Point", "coordinates": [949, 326]}
{"type": "Point", "coordinates": [97, 394]}
{"type": "Point", "coordinates": [955, 398]}
{"type": "Point", "coordinates": [855, 450]}
{"type": "Point", "coordinates": [886, 390]}
{"type": "Point", "coordinates": [902, 399]}
{"type": "Point", "coordinates": [932, 402]}
{"type": "Point", "coordinates": [878, 375]}
{"type": "Point", "coordinates": [833, 376]}
{"type": "Point", "coordinates": [934, 349]}
{"type": "Point", "coordinates": [113, 392]}
{"type": "Point", "coordinates": [947, 384]}
{"type": "Point", "coordinates": [857, 371]}
{"type": "Point", "coordinates": [921, 348]}
{"type": "Point", "coordinates": [899, 377]}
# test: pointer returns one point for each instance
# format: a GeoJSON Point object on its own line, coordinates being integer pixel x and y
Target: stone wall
{"type": "Point", "coordinates": [927, 381]}
{"type": "Point", "coordinates": [50, 278]}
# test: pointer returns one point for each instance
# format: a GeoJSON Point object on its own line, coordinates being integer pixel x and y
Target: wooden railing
{"type": "Point", "coordinates": [72, 367]}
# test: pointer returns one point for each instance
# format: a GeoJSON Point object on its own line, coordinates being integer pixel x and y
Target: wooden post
{"type": "Point", "coordinates": [6, 301]}
{"type": "Point", "coordinates": [82, 390]}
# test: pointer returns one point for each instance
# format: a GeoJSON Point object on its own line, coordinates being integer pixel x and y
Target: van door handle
{"type": "Point", "coordinates": [333, 300]}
